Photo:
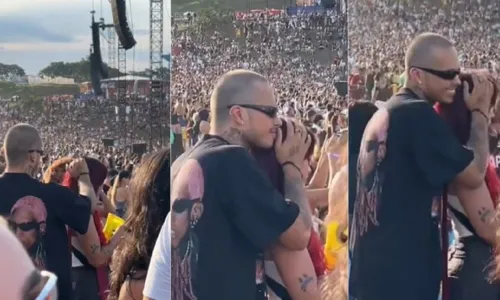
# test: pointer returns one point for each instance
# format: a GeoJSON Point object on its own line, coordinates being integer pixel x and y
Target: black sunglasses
{"type": "Point", "coordinates": [269, 111]}
{"type": "Point", "coordinates": [27, 226]}
{"type": "Point", "coordinates": [36, 151]}
{"type": "Point", "coordinates": [445, 74]}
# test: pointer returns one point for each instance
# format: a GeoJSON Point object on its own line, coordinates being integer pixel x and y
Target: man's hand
{"type": "Point", "coordinates": [295, 146]}
{"type": "Point", "coordinates": [480, 98]}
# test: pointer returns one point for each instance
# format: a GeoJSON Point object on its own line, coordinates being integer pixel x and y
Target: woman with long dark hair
{"type": "Point", "coordinates": [470, 261]}
{"type": "Point", "coordinates": [148, 208]}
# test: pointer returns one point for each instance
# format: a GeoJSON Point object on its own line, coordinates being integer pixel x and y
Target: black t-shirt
{"type": "Point", "coordinates": [225, 213]}
{"type": "Point", "coordinates": [38, 214]}
{"type": "Point", "coordinates": [408, 154]}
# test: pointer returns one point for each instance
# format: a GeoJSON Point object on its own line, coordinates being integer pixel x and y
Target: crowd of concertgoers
{"type": "Point", "coordinates": [430, 241]}
{"type": "Point", "coordinates": [300, 63]}
{"type": "Point", "coordinates": [379, 35]}
{"type": "Point", "coordinates": [68, 166]}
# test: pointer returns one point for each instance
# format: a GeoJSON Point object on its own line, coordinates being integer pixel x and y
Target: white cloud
{"type": "Point", "coordinates": [63, 18]}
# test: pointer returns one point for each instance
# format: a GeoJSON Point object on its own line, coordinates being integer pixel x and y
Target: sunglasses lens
{"type": "Point", "coordinates": [449, 75]}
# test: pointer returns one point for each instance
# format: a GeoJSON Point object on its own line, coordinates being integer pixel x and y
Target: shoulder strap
{"type": "Point", "coordinates": [278, 289]}
{"type": "Point", "coordinates": [81, 257]}
{"type": "Point", "coordinates": [462, 218]}
{"type": "Point", "coordinates": [445, 289]}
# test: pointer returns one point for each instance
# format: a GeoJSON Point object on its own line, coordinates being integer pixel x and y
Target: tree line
{"type": "Point", "coordinates": [80, 70]}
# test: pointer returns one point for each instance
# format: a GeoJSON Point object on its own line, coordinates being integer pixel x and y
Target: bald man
{"type": "Point", "coordinates": [38, 212]}
{"type": "Point", "coordinates": [225, 211]}
{"type": "Point", "coordinates": [408, 155]}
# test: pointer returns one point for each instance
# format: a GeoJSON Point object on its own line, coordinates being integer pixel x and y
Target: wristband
{"type": "Point", "coordinates": [482, 113]}
{"type": "Point", "coordinates": [293, 165]}
{"type": "Point", "coordinates": [84, 173]}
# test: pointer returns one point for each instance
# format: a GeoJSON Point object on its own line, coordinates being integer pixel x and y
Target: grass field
{"type": "Point", "coordinates": [9, 89]}
{"type": "Point", "coordinates": [179, 6]}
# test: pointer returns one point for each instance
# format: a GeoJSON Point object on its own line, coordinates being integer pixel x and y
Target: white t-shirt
{"type": "Point", "coordinates": [157, 285]}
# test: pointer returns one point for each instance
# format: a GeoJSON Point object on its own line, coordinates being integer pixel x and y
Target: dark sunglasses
{"type": "Point", "coordinates": [37, 151]}
{"type": "Point", "coordinates": [27, 226]}
{"type": "Point", "coordinates": [269, 111]}
{"type": "Point", "coordinates": [446, 74]}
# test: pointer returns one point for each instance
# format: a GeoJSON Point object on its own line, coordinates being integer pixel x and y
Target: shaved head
{"type": "Point", "coordinates": [234, 87]}
{"type": "Point", "coordinates": [19, 141]}
{"type": "Point", "coordinates": [421, 51]}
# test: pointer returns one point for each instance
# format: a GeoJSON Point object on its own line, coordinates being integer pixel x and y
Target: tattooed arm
{"type": "Point", "coordinates": [473, 175]}
{"type": "Point", "coordinates": [478, 207]}
{"type": "Point", "coordinates": [297, 273]}
{"type": "Point", "coordinates": [96, 254]}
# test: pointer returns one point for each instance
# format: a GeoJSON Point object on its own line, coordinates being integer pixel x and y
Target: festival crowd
{"type": "Point", "coordinates": [421, 205]}
{"type": "Point", "coordinates": [248, 82]}
{"type": "Point", "coordinates": [78, 198]}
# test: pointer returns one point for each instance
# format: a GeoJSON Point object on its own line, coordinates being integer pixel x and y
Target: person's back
{"type": "Point", "coordinates": [225, 211]}
{"type": "Point", "coordinates": [39, 213]}
{"type": "Point", "coordinates": [231, 255]}
{"type": "Point", "coordinates": [393, 203]}
{"type": "Point", "coordinates": [408, 156]}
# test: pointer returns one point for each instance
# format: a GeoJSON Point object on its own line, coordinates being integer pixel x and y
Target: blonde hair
{"type": "Point", "coordinates": [334, 285]}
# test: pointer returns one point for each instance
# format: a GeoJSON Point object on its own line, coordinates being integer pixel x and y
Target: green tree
{"type": "Point", "coordinates": [79, 70]}
{"type": "Point", "coordinates": [11, 70]}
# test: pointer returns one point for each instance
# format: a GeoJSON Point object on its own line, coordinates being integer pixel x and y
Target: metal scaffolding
{"type": "Point", "coordinates": [157, 100]}
{"type": "Point", "coordinates": [121, 97]}
{"type": "Point", "coordinates": [112, 50]}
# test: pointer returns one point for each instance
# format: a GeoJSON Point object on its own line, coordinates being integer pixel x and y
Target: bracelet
{"type": "Point", "coordinates": [84, 173]}
{"type": "Point", "coordinates": [482, 113]}
{"type": "Point", "coordinates": [293, 165]}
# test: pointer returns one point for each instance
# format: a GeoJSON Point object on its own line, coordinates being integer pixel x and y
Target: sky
{"type": "Point", "coordinates": [36, 33]}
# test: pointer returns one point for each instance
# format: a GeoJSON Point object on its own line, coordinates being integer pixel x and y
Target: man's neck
{"type": "Point", "coordinates": [230, 134]}
{"type": "Point", "coordinates": [15, 170]}
{"type": "Point", "coordinates": [418, 92]}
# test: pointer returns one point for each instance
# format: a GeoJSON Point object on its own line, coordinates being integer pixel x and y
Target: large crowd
{"type": "Point", "coordinates": [404, 207]}
{"type": "Point", "coordinates": [379, 35]}
{"type": "Point", "coordinates": [303, 59]}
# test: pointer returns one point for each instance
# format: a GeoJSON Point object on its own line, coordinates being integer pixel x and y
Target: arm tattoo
{"type": "Point", "coordinates": [94, 248]}
{"type": "Point", "coordinates": [478, 141]}
{"type": "Point", "coordinates": [305, 280]}
{"type": "Point", "coordinates": [484, 214]}
{"type": "Point", "coordinates": [294, 190]}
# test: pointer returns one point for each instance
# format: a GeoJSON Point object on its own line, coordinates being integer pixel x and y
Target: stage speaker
{"type": "Point", "coordinates": [108, 142]}
{"type": "Point", "coordinates": [96, 47]}
{"type": "Point", "coordinates": [139, 148]}
{"type": "Point", "coordinates": [328, 3]}
{"type": "Point", "coordinates": [95, 75]}
{"type": "Point", "coordinates": [125, 36]}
